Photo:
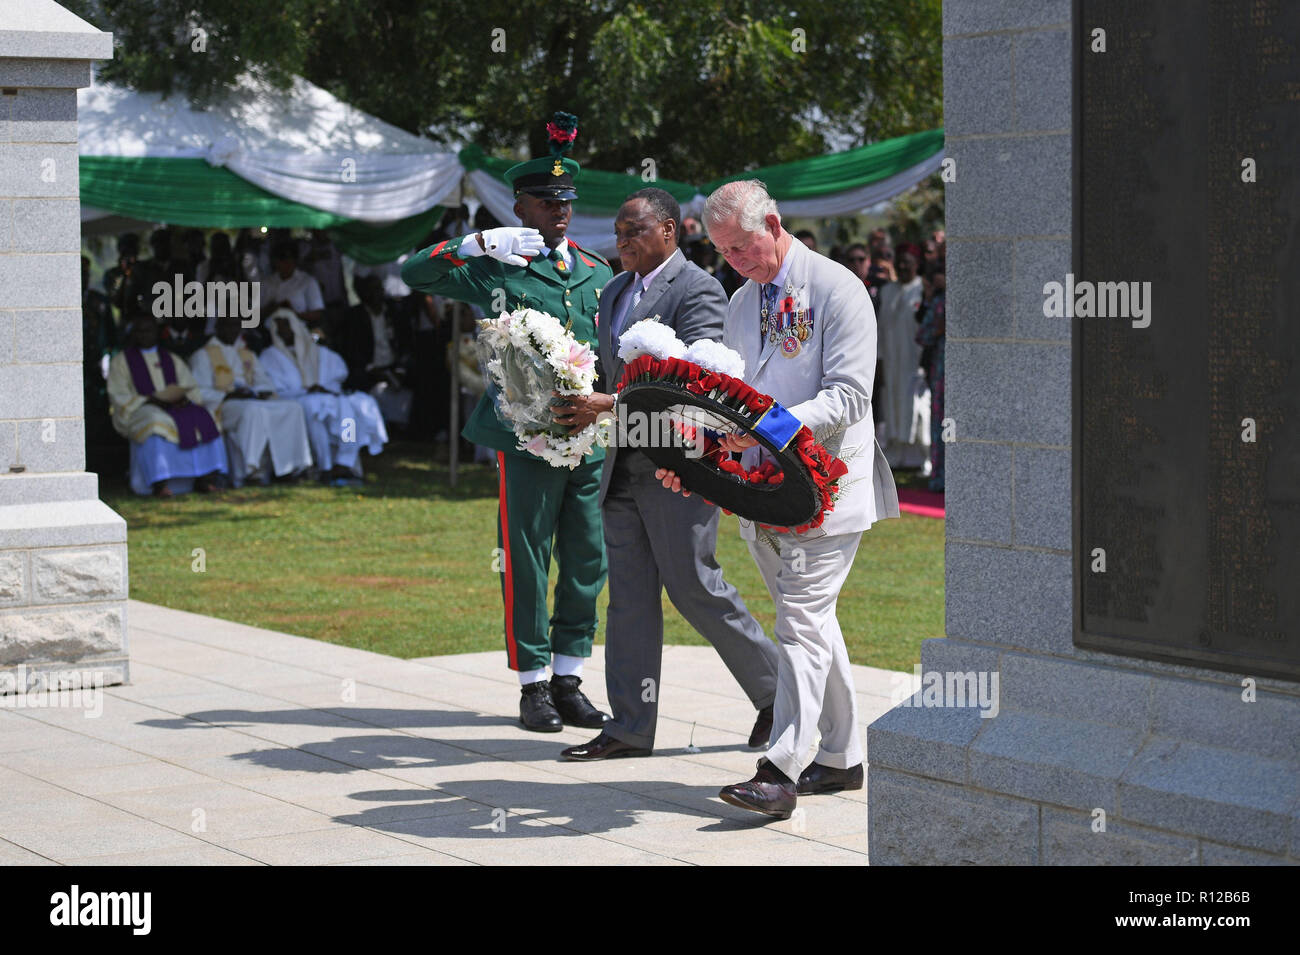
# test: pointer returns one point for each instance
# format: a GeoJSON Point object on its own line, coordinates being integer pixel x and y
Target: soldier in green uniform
{"type": "Point", "coordinates": [540, 508]}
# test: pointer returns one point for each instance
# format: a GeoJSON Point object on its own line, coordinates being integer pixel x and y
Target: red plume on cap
{"type": "Point", "coordinates": [562, 130]}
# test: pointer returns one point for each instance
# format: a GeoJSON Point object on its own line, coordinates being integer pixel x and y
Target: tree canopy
{"type": "Point", "coordinates": [702, 88]}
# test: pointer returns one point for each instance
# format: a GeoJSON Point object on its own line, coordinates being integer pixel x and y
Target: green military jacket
{"type": "Point", "coordinates": [438, 270]}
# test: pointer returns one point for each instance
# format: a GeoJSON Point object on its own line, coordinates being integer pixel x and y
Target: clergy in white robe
{"type": "Point", "coordinates": [900, 357]}
{"type": "Point", "coordinates": [156, 404]}
{"type": "Point", "coordinates": [241, 396]}
{"type": "Point", "coordinates": [339, 424]}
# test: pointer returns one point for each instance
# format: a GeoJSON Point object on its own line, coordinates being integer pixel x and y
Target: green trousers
{"type": "Point", "coordinates": [540, 507]}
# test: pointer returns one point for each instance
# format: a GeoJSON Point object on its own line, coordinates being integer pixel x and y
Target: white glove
{"type": "Point", "coordinates": [509, 244]}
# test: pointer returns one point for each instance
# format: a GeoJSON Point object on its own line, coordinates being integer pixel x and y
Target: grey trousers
{"type": "Point", "coordinates": [814, 683]}
{"type": "Point", "coordinates": [655, 539]}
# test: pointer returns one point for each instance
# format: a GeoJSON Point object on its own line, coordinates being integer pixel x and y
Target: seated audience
{"type": "Point", "coordinates": [239, 393]}
{"type": "Point", "coordinates": [339, 423]}
{"type": "Point", "coordinates": [375, 340]}
{"type": "Point", "coordinates": [156, 405]}
{"type": "Point", "coordinates": [375, 344]}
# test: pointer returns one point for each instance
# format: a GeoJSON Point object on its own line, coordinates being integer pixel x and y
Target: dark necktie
{"type": "Point", "coordinates": [767, 314]}
{"type": "Point", "coordinates": [558, 259]}
{"type": "Point", "coordinates": [629, 300]}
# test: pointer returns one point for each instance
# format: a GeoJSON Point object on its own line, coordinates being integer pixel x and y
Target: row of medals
{"type": "Point", "coordinates": [791, 337]}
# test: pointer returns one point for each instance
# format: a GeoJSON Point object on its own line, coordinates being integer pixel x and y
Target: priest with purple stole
{"type": "Point", "coordinates": [156, 405]}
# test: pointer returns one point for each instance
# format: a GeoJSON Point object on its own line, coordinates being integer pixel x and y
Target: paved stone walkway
{"type": "Point", "coordinates": [235, 745]}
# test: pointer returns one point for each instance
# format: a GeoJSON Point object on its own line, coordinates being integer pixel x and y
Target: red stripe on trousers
{"type": "Point", "coordinates": [512, 650]}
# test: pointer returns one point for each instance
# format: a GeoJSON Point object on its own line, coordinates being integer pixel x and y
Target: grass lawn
{"type": "Point", "coordinates": [403, 566]}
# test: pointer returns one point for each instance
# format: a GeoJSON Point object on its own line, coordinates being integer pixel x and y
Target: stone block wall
{"type": "Point", "coordinates": [63, 563]}
{"type": "Point", "coordinates": [1172, 761]}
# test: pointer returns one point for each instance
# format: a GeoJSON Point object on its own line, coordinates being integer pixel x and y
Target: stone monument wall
{"type": "Point", "coordinates": [1091, 757]}
{"type": "Point", "coordinates": [63, 564]}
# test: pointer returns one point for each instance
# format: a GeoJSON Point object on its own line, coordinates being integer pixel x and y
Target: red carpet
{"type": "Point", "coordinates": [916, 501]}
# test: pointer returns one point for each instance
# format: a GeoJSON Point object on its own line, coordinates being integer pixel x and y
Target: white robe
{"type": "Point", "coordinates": [338, 426]}
{"type": "Point", "coordinates": [901, 360]}
{"type": "Point", "coordinates": [252, 427]}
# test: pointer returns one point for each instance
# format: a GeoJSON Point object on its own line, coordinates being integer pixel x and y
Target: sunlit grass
{"type": "Point", "coordinates": [404, 565]}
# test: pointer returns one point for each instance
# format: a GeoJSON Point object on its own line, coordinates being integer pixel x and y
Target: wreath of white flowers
{"type": "Point", "coordinates": [527, 355]}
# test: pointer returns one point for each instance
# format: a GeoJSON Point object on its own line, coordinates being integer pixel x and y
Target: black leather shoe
{"type": "Point", "coordinates": [818, 779]}
{"type": "Point", "coordinates": [537, 710]}
{"type": "Point", "coordinates": [574, 707]}
{"type": "Point", "coordinates": [758, 736]}
{"type": "Point", "coordinates": [770, 792]}
{"type": "Point", "coordinates": [603, 746]}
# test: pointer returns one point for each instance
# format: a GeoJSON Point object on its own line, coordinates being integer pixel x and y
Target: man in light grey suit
{"type": "Point", "coordinates": [653, 540]}
{"type": "Point", "coordinates": [807, 332]}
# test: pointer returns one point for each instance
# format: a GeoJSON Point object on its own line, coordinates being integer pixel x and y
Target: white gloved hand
{"type": "Point", "coordinates": [510, 244]}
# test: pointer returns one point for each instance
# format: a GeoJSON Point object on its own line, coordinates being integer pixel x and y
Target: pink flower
{"type": "Point", "coordinates": [537, 445]}
{"type": "Point", "coordinates": [580, 357]}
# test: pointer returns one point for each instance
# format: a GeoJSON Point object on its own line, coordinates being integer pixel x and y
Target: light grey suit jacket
{"type": "Point", "coordinates": [827, 384]}
{"type": "Point", "coordinates": [683, 296]}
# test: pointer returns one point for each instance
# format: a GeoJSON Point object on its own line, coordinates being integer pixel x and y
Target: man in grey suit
{"type": "Point", "coordinates": [654, 540]}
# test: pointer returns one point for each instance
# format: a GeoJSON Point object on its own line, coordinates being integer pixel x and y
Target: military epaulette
{"type": "Point", "coordinates": [449, 255]}
{"type": "Point", "coordinates": [587, 255]}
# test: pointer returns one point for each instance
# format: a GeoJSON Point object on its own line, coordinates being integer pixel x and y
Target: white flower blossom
{"type": "Point", "coordinates": [716, 357]}
{"type": "Point", "coordinates": [648, 337]}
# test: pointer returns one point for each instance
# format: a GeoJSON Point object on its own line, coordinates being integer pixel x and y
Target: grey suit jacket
{"type": "Point", "coordinates": [683, 296]}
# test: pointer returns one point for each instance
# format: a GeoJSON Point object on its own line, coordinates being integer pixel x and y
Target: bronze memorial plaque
{"type": "Point", "coordinates": [1185, 305]}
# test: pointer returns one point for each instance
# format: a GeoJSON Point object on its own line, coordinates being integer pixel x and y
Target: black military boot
{"type": "Point", "coordinates": [574, 707]}
{"type": "Point", "coordinates": [537, 709]}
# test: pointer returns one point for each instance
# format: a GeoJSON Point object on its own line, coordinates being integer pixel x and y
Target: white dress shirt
{"type": "Point", "coordinates": [639, 285]}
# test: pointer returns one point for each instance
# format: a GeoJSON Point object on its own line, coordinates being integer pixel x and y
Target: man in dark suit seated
{"type": "Point", "coordinates": [656, 541]}
{"type": "Point", "coordinates": [375, 344]}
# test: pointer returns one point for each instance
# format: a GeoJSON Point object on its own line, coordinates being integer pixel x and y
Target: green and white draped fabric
{"type": "Point", "coordinates": [837, 184]}
{"type": "Point", "coordinates": [848, 182]}
{"type": "Point", "coordinates": [303, 158]}
{"type": "Point", "coordinates": [262, 157]}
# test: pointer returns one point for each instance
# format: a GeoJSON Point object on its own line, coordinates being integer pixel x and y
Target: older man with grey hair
{"type": "Point", "coordinates": [817, 359]}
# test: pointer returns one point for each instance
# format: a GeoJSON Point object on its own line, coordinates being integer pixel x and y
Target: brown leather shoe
{"type": "Point", "coordinates": [603, 746]}
{"type": "Point", "coordinates": [758, 736]}
{"type": "Point", "coordinates": [770, 792]}
{"type": "Point", "coordinates": [819, 780]}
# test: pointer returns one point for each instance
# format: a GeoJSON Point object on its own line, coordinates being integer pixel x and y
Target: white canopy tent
{"type": "Point", "coordinates": [323, 163]}
{"type": "Point", "coordinates": [302, 144]}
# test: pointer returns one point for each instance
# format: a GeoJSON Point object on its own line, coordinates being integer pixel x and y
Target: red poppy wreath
{"type": "Point", "coordinates": [675, 404]}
